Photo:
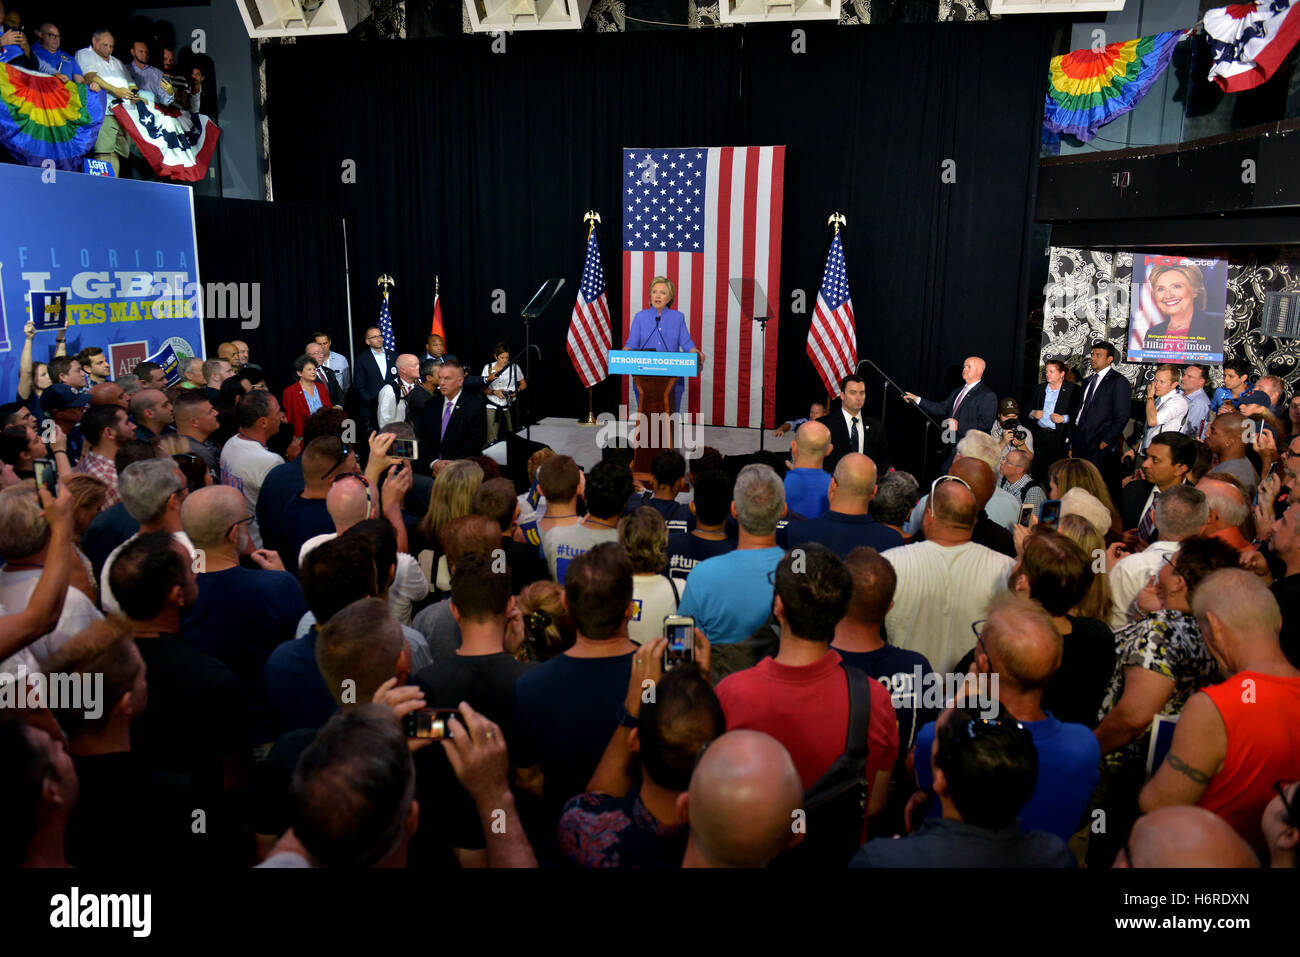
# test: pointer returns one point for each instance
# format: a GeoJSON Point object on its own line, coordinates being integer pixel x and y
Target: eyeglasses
{"type": "Point", "coordinates": [1280, 787]}
{"type": "Point", "coordinates": [353, 475]}
{"type": "Point", "coordinates": [342, 458]}
{"type": "Point", "coordinates": [1169, 560]}
{"type": "Point", "coordinates": [242, 521]}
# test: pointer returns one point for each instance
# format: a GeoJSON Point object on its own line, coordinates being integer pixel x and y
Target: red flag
{"type": "Point", "coordinates": [435, 327]}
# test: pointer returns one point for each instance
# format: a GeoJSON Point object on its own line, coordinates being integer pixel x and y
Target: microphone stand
{"type": "Point", "coordinates": [903, 394]}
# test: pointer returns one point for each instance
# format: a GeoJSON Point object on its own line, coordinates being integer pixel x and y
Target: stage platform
{"type": "Point", "coordinates": [584, 442]}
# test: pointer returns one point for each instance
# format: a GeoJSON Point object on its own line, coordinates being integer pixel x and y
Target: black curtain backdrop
{"type": "Point", "coordinates": [478, 166]}
{"type": "Point", "coordinates": [295, 252]}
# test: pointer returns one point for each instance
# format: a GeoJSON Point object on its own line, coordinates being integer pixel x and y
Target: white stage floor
{"type": "Point", "coordinates": [584, 442]}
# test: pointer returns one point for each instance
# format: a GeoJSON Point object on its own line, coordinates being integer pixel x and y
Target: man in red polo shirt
{"type": "Point", "coordinates": [1235, 739]}
{"type": "Point", "coordinates": [801, 697]}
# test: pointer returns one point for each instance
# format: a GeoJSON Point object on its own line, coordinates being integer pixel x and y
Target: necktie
{"type": "Point", "coordinates": [1147, 527]}
{"type": "Point", "coordinates": [1087, 397]}
{"type": "Point", "coordinates": [446, 417]}
{"type": "Point", "coordinates": [961, 397]}
{"type": "Point", "coordinates": [853, 434]}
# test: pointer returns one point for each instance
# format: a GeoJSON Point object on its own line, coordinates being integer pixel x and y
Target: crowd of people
{"type": "Point", "coordinates": [39, 47]}
{"type": "Point", "coordinates": [328, 623]}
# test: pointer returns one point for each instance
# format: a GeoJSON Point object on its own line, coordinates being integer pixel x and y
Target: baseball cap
{"type": "Point", "coordinates": [1257, 397]}
{"type": "Point", "coordinates": [59, 397]}
{"type": "Point", "coordinates": [1008, 405]}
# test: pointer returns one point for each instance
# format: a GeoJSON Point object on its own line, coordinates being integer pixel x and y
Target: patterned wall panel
{"type": "Point", "coordinates": [1087, 296]}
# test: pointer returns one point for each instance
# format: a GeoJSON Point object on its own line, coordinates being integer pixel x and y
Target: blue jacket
{"type": "Point", "coordinates": [670, 334]}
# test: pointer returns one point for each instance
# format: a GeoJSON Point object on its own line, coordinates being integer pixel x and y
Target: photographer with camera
{"type": "Point", "coordinates": [1009, 432]}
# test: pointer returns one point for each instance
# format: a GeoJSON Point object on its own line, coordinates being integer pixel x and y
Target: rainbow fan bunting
{"type": "Point", "coordinates": [1086, 90]}
{"type": "Point", "coordinates": [47, 117]}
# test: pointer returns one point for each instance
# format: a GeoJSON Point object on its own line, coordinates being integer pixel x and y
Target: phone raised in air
{"type": "Point", "coordinates": [680, 632]}
{"type": "Point", "coordinates": [1050, 513]}
{"type": "Point", "coordinates": [404, 449]}
{"type": "Point", "coordinates": [429, 723]}
{"type": "Point", "coordinates": [1026, 513]}
{"type": "Point", "coordinates": [47, 475]}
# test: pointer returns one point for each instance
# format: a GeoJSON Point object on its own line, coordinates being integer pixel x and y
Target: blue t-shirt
{"type": "Point", "coordinates": [295, 685]}
{"type": "Point", "coordinates": [1069, 763]}
{"type": "Point", "coordinates": [685, 551]}
{"type": "Point", "coordinates": [805, 491]}
{"type": "Point", "coordinates": [565, 712]}
{"type": "Point", "coordinates": [842, 533]}
{"type": "Point", "coordinates": [242, 615]}
{"type": "Point", "coordinates": [281, 485]}
{"type": "Point", "coordinates": [729, 596]}
{"type": "Point", "coordinates": [903, 673]}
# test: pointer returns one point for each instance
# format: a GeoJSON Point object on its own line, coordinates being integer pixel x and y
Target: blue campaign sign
{"type": "Point", "coordinates": [638, 362]}
{"type": "Point", "coordinates": [125, 251]}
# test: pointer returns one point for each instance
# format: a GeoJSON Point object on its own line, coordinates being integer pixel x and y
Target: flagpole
{"type": "Point", "coordinates": [591, 219]}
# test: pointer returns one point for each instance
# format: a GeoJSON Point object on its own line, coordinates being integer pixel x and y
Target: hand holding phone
{"type": "Point", "coordinates": [680, 632]}
{"type": "Point", "coordinates": [432, 723]}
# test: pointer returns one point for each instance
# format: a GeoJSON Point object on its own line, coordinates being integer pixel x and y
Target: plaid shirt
{"type": "Point", "coordinates": [103, 469]}
{"type": "Point", "coordinates": [1034, 496]}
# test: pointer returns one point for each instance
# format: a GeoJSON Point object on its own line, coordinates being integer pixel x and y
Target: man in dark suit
{"type": "Point", "coordinates": [1107, 404]}
{"type": "Point", "coordinates": [973, 406]}
{"type": "Point", "coordinates": [374, 366]}
{"type": "Point", "coordinates": [454, 424]}
{"type": "Point", "coordinates": [324, 374]}
{"type": "Point", "coordinates": [851, 431]}
{"type": "Point", "coordinates": [1052, 414]}
{"type": "Point", "coordinates": [423, 393]}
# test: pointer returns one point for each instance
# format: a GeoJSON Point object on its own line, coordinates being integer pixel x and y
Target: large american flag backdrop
{"type": "Point", "coordinates": [702, 216]}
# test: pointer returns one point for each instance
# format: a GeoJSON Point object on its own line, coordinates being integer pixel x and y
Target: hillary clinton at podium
{"type": "Point", "coordinates": [660, 329]}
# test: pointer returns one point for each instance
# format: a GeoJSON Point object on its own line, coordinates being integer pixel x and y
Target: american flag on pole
{"type": "Point", "coordinates": [589, 336]}
{"type": "Point", "coordinates": [386, 326]}
{"type": "Point", "coordinates": [832, 339]}
{"type": "Point", "coordinates": [702, 216]}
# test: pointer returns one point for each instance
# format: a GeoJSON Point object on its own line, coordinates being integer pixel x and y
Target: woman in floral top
{"type": "Point", "coordinates": [1160, 661]}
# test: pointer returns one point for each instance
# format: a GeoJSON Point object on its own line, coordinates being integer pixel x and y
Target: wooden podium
{"type": "Point", "coordinates": [655, 397]}
{"type": "Point", "coordinates": [655, 375]}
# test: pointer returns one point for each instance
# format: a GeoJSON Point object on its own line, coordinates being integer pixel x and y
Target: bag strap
{"type": "Point", "coordinates": [859, 710]}
{"type": "Point", "coordinates": [676, 597]}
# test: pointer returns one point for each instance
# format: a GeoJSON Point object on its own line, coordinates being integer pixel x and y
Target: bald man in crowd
{"type": "Point", "coordinates": [1020, 645]}
{"type": "Point", "coordinates": [946, 582]}
{"type": "Point", "coordinates": [847, 523]}
{"type": "Point", "coordinates": [153, 414]}
{"type": "Point", "coordinates": [241, 613]}
{"type": "Point", "coordinates": [1235, 739]}
{"type": "Point", "coordinates": [807, 482]}
{"type": "Point", "coordinates": [1229, 509]}
{"type": "Point", "coordinates": [1227, 440]}
{"type": "Point", "coordinates": [392, 397]}
{"type": "Point", "coordinates": [1184, 837]}
{"type": "Point", "coordinates": [742, 802]}
{"type": "Point", "coordinates": [981, 478]}
{"type": "Point", "coordinates": [108, 393]}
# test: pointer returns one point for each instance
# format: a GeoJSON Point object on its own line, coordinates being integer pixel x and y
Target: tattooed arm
{"type": "Point", "coordinates": [1195, 756]}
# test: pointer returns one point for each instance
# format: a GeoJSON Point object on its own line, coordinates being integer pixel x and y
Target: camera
{"type": "Point", "coordinates": [1012, 425]}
